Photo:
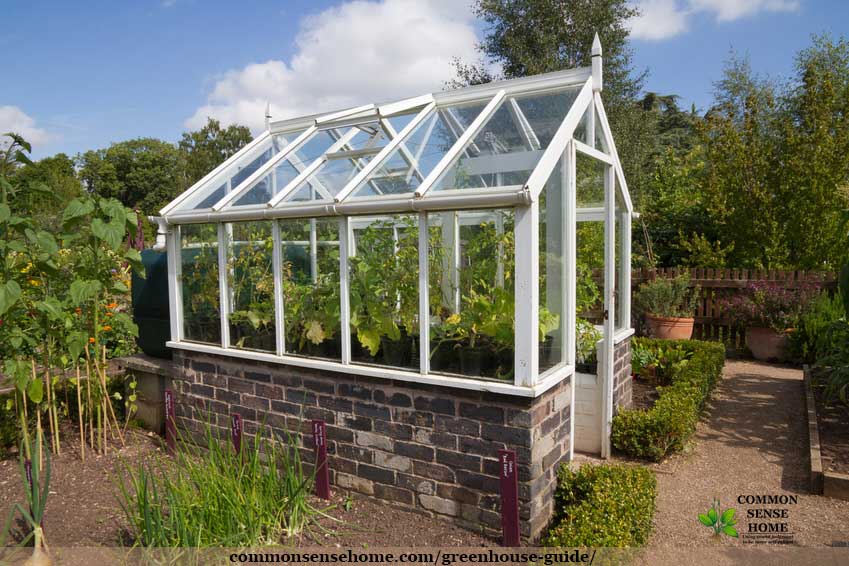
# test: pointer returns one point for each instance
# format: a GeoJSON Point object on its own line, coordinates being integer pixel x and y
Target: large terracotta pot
{"type": "Point", "coordinates": [670, 327]}
{"type": "Point", "coordinates": [766, 344]}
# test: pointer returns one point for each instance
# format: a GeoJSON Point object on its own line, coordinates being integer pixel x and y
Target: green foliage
{"type": "Point", "coordinates": [671, 297]}
{"type": "Point", "coordinates": [843, 288]}
{"type": "Point", "coordinates": [658, 360]}
{"type": "Point", "coordinates": [603, 506]}
{"type": "Point", "coordinates": [586, 339]}
{"type": "Point", "coordinates": [213, 496]}
{"type": "Point", "coordinates": [653, 433]}
{"type": "Point", "coordinates": [35, 481]}
{"type": "Point", "coordinates": [834, 361]}
{"type": "Point", "coordinates": [809, 340]}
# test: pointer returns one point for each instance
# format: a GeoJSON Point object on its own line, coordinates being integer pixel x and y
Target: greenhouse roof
{"type": "Point", "coordinates": [480, 146]}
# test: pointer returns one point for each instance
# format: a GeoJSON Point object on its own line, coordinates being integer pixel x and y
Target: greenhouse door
{"type": "Point", "coordinates": [595, 261]}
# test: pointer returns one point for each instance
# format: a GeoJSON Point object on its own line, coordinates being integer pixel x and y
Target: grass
{"type": "Point", "coordinates": [216, 497]}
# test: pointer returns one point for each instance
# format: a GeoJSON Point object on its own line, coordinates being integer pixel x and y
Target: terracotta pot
{"type": "Point", "coordinates": [670, 327]}
{"type": "Point", "coordinates": [766, 344]}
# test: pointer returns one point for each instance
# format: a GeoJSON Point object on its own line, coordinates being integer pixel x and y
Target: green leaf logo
{"type": "Point", "coordinates": [722, 522]}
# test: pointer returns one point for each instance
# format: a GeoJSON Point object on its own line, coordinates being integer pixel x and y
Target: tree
{"type": "Point", "coordinates": [814, 180]}
{"type": "Point", "coordinates": [143, 174]}
{"type": "Point", "coordinates": [205, 149]}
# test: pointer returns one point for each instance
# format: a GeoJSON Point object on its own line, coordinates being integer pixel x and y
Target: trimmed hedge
{"type": "Point", "coordinates": [605, 505]}
{"type": "Point", "coordinates": [654, 433]}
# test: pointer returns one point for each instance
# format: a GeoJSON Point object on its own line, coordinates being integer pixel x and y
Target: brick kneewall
{"type": "Point", "coordinates": [427, 447]}
{"type": "Point", "coordinates": [622, 379]}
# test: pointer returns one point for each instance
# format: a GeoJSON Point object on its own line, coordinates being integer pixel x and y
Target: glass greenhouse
{"type": "Point", "coordinates": [457, 238]}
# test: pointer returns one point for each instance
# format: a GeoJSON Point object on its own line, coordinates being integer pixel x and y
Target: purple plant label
{"type": "Point", "coordinates": [322, 473]}
{"type": "Point", "coordinates": [28, 469]}
{"type": "Point", "coordinates": [236, 432]}
{"type": "Point", "coordinates": [170, 424]}
{"type": "Point", "coordinates": [509, 498]}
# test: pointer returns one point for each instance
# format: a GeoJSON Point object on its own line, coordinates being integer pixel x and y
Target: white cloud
{"type": "Point", "coordinates": [15, 120]}
{"type": "Point", "coordinates": [658, 19]}
{"type": "Point", "coordinates": [358, 52]}
{"type": "Point", "coordinates": [662, 19]}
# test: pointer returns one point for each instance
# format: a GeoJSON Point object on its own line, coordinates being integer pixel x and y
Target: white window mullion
{"type": "Point", "coordinates": [424, 296]}
{"type": "Point", "coordinates": [527, 295]}
{"type": "Point", "coordinates": [175, 289]}
{"type": "Point", "coordinates": [344, 290]}
{"type": "Point", "coordinates": [224, 237]}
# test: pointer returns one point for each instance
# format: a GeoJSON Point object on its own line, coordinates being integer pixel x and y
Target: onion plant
{"type": "Point", "coordinates": [213, 496]}
{"type": "Point", "coordinates": [36, 481]}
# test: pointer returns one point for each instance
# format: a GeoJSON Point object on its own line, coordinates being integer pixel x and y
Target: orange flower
{"type": "Point", "coordinates": [111, 305]}
{"type": "Point", "coordinates": [107, 328]}
{"type": "Point", "coordinates": [78, 310]}
{"type": "Point", "coordinates": [109, 314]}
{"type": "Point", "coordinates": [91, 340]}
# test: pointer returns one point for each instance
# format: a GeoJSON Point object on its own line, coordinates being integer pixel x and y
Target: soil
{"type": "Point", "coordinates": [833, 425]}
{"type": "Point", "coordinates": [82, 509]}
{"type": "Point", "coordinates": [643, 393]}
{"type": "Point", "coordinates": [753, 441]}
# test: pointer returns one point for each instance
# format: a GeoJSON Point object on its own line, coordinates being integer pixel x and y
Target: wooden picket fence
{"type": "Point", "coordinates": [718, 284]}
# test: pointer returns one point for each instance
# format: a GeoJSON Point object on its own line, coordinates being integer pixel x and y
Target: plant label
{"type": "Point", "coordinates": [509, 498]}
{"type": "Point", "coordinates": [170, 423]}
{"type": "Point", "coordinates": [322, 473]}
{"type": "Point", "coordinates": [236, 432]}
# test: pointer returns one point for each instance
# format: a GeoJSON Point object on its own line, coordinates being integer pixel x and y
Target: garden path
{"type": "Point", "coordinates": [754, 441]}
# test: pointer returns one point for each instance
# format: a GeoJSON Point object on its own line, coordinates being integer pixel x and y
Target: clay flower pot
{"type": "Point", "coordinates": [670, 327]}
{"type": "Point", "coordinates": [766, 344]}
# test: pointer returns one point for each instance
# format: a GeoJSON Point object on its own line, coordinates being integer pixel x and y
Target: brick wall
{"type": "Point", "coordinates": [622, 379]}
{"type": "Point", "coordinates": [421, 446]}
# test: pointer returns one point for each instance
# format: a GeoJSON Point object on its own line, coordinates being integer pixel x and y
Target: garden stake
{"type": "Point", "coordinates": [80, 412]}
{"type": "Point", "coordinates": [24, 425]}
{"type": "Point", "coordinates": [111, 409]}
{"type": "Point", "coordinates": [53, 431]}
{"type": "Point", "coordinates": [509, 499]}
{"type": "Point", "coordinates": [88, 394]}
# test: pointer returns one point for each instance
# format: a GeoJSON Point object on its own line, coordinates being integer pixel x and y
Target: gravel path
{"type": "Point", "coordinates": [754, 441]}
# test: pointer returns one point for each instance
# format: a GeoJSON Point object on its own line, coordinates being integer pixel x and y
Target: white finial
{"type": "Point", "coordinates": [596, 60]}
{"type": "Point", "coordinates": [267, 115]}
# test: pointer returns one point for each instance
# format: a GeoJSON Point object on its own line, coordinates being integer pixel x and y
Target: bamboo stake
{"type": "Point", "coordinates": [90, 407]}
{"type": "Point", "coordinates": [53, 431]}
{"type": "Point", "coordinates": [39, 436]}
{"type": "Point", "coordinates": [25, 424]}
{"type": "Point", "coordinates": [109, 402]}
{"type": "Point", "coordinates": [80, 411]}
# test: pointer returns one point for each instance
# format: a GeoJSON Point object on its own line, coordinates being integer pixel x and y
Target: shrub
{"type": "Point", "coordinates": [769, 305]}
{"type": "Point", "coordinates": [667, 297]}
{"type": "Point", "coordinates": [809, 340]}
{"type": "Point", "coordinates": [653, 433]}
{"type": "Point", "coordinates": [606, 505]}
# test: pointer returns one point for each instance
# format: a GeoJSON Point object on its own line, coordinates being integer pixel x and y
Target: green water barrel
{"type": "Point", "coordinates": [150, 305]}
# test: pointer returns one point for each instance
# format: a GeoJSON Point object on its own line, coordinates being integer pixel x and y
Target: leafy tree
{"type": "Point", "coordinates": [144, 174]}
{"type": "Point", "coordinates": [205, 149]}
{"type": "Point", "coordinates": [814, 179]}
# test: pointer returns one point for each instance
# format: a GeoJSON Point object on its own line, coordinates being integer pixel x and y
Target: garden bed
{"type": "Point", "coordinates": [829, 441]}
{"type": "Point", "coordinates": [644, 393]}
{"type": "Point", "coordinates": [82, 508]}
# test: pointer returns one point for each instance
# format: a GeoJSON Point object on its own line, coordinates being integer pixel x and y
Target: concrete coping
{"type": "Point", "coordinates": [147, 364]}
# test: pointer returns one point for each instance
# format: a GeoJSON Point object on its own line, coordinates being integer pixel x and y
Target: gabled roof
{"type": "Point", "coordinates": [481, 146]}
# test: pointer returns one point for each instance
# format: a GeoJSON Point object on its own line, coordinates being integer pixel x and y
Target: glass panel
{"type": "Point", "coordinates": [580, 132]}
{"type": "Point", "coordinates": [406, 167]}
{"type": "Point", "coordinates": [508, 147]}
{"type": "Point", "coordinates": [600, 142]}
{"type": "Point", "coordinates": [343, 165]}
{"type": "Point", "coordinates": [472, 262]}
{"type": "Point", "coordinates": [289, 168]}
{"type": "Point", "coordinates": [384, 282]}
{"type": "Point", "coordinates": [619, 230]}
{"type": "Point", "coordinates": [552, 271]}
{"type": "Point", "coordinates": [251, 286]}
{"type": "Point", "coordinates": [311, 302]}
{"type": "Point", "coordinates": [207, 197]}
{"type": "Point", "coordinates": [199, 283]}
{"type": "Point", "coordinates": [589, 181]}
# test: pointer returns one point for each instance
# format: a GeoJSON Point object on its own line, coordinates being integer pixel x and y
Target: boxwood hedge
{"type": "Point", "coordinates": [663, 429]}
{"type": "Point", "coordinates": [604, 505]}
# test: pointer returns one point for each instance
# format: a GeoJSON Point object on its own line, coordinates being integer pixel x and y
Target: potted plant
{"type": "Point", "coordinates": [668, 305]}
{"type": "Point", "coordinates": [769, 312]}
{"type": "Point", "coordinates": [586, 346]}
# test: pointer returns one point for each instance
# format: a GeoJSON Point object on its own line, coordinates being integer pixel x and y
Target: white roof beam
{"type": "Point", "coordinates": [521, 121]}
{"type": "Point", "coordinates": [617, 165]}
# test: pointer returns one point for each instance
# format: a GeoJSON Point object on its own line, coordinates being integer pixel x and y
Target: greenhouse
{"type": "Point", "coordinates": [366, 237]}
{"type": "Point", "coordinates": [457, 255]}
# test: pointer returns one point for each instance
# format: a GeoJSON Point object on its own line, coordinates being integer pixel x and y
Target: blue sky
{"type": "Point", "coordinates": [79, 75]}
